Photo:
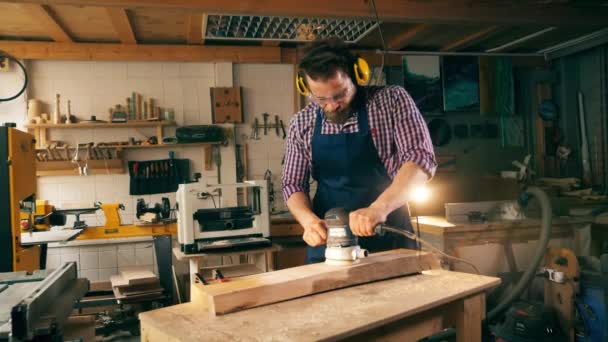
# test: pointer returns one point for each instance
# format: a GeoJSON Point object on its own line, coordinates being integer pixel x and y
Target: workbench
{"type": "Point", "coordinates": [403, 309]}
{"type": "Point", "coordinates": [449, 237]}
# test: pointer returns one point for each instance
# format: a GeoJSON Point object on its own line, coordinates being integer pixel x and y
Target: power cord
{"type": "Point", "coordinates": [373, 3]}
{"type": "Point", "coordinates": [25, 79]}
{"type": "Point", "coordinates": [413, 236]}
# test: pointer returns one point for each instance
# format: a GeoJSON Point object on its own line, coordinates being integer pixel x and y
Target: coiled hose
{"type": "Point", "coordinates": [25, 78]}
{"type": "Point", "coordinates": [543, 240]}
{"type": "Point", "coordinates": [530, 272]}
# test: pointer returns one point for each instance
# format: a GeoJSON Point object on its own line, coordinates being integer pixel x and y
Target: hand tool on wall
{"type": "Point", "coordinates": [584, 143]}
{"type": "Point", "coordinates": [283, 129]}
{"type": "Point", "coordinates": [254, 133]}
{"type": "Point", "coordinates": [240, 169]}
{"type": "Point", "coordinates": [49, 154]}
{"type": "Point", "coordinates": [265, 115]}
{"type": "Point", "coordinates": [276, 124]}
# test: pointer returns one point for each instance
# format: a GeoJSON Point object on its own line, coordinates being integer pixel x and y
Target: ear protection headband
{"type": "Point", "coordinates": [361, 69]}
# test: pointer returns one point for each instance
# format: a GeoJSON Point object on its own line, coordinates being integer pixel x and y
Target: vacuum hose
{"type": "Point", "coordinates": [528, 275]}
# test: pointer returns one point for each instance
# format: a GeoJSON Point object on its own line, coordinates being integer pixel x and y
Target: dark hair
{"type": "Point", "coordinates": [323, 58]}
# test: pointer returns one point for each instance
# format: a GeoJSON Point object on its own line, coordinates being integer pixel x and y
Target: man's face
{"type": "Point", "coordinates": [334, 94]}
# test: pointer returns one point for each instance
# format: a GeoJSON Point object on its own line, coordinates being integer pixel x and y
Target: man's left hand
{"type": "Point", "coordinates": [364, 221]}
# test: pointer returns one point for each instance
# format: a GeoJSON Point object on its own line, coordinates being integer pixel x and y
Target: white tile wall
{"type": "Point", "coordinates": [93, 87]}
{"type": "Point", "coordinates": [100, 262]}
{"type": "Point", "coordinates": [267, 88]}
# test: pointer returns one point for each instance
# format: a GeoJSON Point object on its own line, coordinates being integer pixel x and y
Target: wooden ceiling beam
{"type": "Point", "coordinates": [140, 52]}
{"type": "Point", "coordinates": [196, 28]}
{"type": "Point", "coordinates": [176, 53]}
{"type": "Point", "coordinates": [403, 39]}
{"type": "Point", "coordinates": [513, 44]}
{"type": "Point", "coordinates": [432, 12]}
{"type": "Point", "coordinates": [122, 25]}
{"type": "Point", "coordinates": [470, 39]}
{"type": "Point", "coordinates": [45, 18]}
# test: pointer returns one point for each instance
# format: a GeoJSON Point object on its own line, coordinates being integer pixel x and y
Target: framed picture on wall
{"type": "Point", "coordinates": [422, 80]}
{"type": "Point", "coordinates": [460, 75]}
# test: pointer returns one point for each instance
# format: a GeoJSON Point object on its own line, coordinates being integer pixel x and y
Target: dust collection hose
{"type": "Point", "coordinates": [543, 240]}
{"type": "Point", "coordinates": [528, 275]}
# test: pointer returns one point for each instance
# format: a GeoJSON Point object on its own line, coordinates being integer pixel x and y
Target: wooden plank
{"type": "Point", "coordinates": [122, 25]}
{"type": "Point", "coordinates": [195, 28]}
{"type": "Point", "coordinates": [403, 39]}
{"type": "Point", "coordinates": [161, 25]}
{"type": "Point", "coordinates": [469, 39]}
{"type": "Point", "coordinates": [138, 52]}
{"type": "Point", "coordinates": [272, 287]}
{"type": "Point", "coordinates": [204, 28]}
{"type": "Point", "coordinates": [17, 22]}
{"type": "Point", "coordinates": [86, 24]}
{"type": "Point", "coordinates": [360, 308]}
{"type": "Point", "coordinates": [138, 276]}
{"type": "Point", "coordinates": [45, 18]}
{"type": "Point", "coordinates": [388, 10]}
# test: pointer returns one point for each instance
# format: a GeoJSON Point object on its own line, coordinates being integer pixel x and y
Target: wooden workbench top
{"type": "Point", "coordinates": [439, 225]}
{"type": "Point", "coordinates": [330, 315]}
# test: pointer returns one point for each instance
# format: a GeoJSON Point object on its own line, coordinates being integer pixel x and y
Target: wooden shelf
{"type": "Point", "coordinates": [104, 125]}
{"type": "Point", "coordinates": [164, 145]}
{"type": "Point", "coordinates": [40, 131]}
{"type": "Point", "coordinates": [133, 147]}
{"type": "Point", "coordinates": [68, 168]}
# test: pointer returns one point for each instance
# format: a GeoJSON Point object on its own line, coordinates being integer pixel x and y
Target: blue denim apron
{"type": "Point", "coordinates": [351, 175]}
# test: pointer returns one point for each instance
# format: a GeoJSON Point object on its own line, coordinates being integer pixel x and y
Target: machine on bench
{"type": "Point", "coordinates": [157, 213]}
{"type": "Point", "coordinates": [201, 228]}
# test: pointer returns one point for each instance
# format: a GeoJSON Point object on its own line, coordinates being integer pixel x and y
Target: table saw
{"type": "Point", "coordinates": [36, 305]}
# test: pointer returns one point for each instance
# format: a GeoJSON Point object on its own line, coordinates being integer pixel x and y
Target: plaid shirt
{"type": "Point", "coordinates": [398, 131]}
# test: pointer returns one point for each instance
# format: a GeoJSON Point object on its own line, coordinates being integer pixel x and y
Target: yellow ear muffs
{"type": "Point", "coordinates": [361, 71]}
{"type": "Point", "coordinates": [301, 86]}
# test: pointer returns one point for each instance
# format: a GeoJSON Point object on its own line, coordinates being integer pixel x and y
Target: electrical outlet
{"type": "Point", "coordinates": [4, 64]}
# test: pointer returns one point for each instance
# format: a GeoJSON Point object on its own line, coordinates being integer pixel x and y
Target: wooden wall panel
{"type": "Point", "coordinates": [153, 25]}
{"type": "Point", "coordinates": [16, 22]}
{"type": "Point", "coordinates": [87, 24]}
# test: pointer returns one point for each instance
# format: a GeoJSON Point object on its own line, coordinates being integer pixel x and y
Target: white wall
{"type": "Point", "coordinates": [93, 87]}
{"type": "Point", "coordinates": [266, 89]}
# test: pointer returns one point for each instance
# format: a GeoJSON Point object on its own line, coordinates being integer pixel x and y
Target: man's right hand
{"type": "Point", "coordinates": [315, 233]}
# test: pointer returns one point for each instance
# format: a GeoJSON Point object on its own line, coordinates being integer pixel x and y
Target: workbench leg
{"type": "Point", "coordinates": [451, 251]}
{"type": "Point", "coordinates": [194, 267]}
{"type": "Point", "coordinates": [466, 315]}
{"type": "Point", "coordinates": [270, 261]}
{"type": "Point", "coordinates": [162, 247]}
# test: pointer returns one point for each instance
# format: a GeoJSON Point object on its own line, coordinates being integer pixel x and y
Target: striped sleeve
{"type": "Point", "coordinates": [411, 133]}
{"type": "Point", "coordinates": [296, 166]}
